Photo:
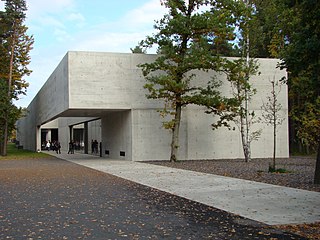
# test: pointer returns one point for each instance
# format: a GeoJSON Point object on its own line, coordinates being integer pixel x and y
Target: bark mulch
{"type": "Point", "coordinates": [56, 199]}
{"type": "Point", "coordinates": [299, 174]}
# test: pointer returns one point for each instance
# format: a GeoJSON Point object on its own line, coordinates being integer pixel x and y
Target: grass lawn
{"type": "Point", "coordinates": [15, 153]}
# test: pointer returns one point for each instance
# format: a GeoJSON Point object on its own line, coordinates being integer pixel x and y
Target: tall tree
{"type": "Point", "coordinates": [188, 38]}
{"type": "Point", "coordinates": [239, 72]}
{"type": "Point", "coordinates": [264, 17]}
{"type": "Point", "coordinates": [15, 47]}
{"type": "Point", "coordinates": [299, 31]}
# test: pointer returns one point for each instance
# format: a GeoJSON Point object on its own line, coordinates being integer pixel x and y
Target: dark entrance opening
{"type": "Point", "coordinates": [44, 133]}
{"type": "Point", "coordinates": [54, 135]}
{"type": "Point", "coordinates": [78, 138]}
{"type": "Point", "coordinates": [43, 138]}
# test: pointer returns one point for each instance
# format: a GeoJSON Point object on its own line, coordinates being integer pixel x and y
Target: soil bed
{"type": "Point", "coordinates": [300, 170]}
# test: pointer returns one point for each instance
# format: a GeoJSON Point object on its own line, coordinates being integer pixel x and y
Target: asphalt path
{"type": "Point", "coordinates": [56, 199]}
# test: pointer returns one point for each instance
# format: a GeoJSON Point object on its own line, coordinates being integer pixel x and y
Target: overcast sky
{"type": "Point", "coordinates": [59, 26]}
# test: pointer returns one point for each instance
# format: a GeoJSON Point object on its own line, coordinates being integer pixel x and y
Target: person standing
{"type": "Point", "coordinates": [48, 145]}
{"type": "Point", "coordinates": [58, 147]}
{"type": "Point", "coordinates": [95, 148]}
{"type": "Point", "coordinates": [71, 147]}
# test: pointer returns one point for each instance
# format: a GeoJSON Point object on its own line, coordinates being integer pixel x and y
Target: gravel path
{"type": "Point", "coordinates": [56, 199]}
{"type": "Point", "coordinates": [300, 175]}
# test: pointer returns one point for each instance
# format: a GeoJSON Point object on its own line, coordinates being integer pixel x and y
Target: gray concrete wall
{"type": "Point", "coordinates": [51, 100]}
{"type": "Point", "coordinates": [116, 135]}
{"type": "Point", "coordinates": [108, 81]}
{"type": "Point", "coordinates": [53, 97]}
{"type": "Point", "coordinates": [94, 131]}
{"type": "Point", "coordinates": [149, 140]}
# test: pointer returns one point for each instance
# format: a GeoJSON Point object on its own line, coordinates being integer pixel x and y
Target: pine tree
{"type": "Point", "coordinates": [15, 47]}
{"type": "Point", "coordinates": [189, 38]}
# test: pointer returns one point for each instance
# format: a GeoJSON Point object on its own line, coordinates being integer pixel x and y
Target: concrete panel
{"type": "Point", "coordinates": [107, 81]}
{"type": "Point", "coordinates": [94, 131]}
{"type": "Point", "coordinates": [150, 141]}
{"type": "Point", "coordinates": [116, 135]}
{"type": "Point", "coordinates": [52, 124]}
{"type": "Point", "coordinates": [53, 98]}
{"type": "Point", "coordinates": [206, 143]}
{"type": "Point", "coordinates": [27, 130]}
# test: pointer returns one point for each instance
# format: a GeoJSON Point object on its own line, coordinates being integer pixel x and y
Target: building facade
{"type": "Point", "coordinates": [100, 96]}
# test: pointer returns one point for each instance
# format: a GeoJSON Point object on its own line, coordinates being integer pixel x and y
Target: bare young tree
{"type": "Point", "coordinates": [271, 113]}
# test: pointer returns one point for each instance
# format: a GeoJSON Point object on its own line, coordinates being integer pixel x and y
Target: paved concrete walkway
{"type": "Point", "coordinates": [261, 202]}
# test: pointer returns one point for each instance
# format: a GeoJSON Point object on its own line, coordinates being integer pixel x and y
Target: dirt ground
{"type": "Point", "coordinates": [300, 170]}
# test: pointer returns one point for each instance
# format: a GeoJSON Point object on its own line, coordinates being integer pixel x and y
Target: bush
{"type": "Point", "coordinates": [278, 170]}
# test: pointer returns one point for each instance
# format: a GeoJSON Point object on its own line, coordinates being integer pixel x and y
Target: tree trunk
{"type": "Point", "coordinates": [6, 120]}
{"type": "Point", "coordinates": [317, 170]}
{"type": "Point", "coordinates": [5, 137]}
{"type": "Point", "coordinates": [246, 146]}
{"type": "Point", "coordinates": [274, 121]}
{"type": "Point", "coordinates": [244, 138]}
{"type": "Point", "coordinates": [274, 146]}
{"type": "Point", "coordinates": [175, 135]}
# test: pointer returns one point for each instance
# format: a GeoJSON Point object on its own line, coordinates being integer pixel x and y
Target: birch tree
{"type": "Point", "coordinates": [238, 74]}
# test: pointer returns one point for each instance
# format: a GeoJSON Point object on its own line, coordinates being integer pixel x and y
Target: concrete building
{"type": "Point", "coordinates": [100, 96]}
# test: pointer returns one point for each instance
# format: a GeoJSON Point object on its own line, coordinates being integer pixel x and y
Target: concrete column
{"type": "Point", "coordinates": [70, 133]}
{"type": "Point", "coordinates": [38, 139]}
{"type": "Point", "coordinates": [86, 138]}
{"type": "Point", "coordinates": [48, 135]}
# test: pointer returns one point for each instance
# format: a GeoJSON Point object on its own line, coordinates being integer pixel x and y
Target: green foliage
{"type": "Point", "coordinates": [185, 39]}
{"type": "Point", "coordinates": [190, 37]}
{"type": "Point", "coordinates": [138, 49]}
{"type": "Point", "coordinates": [310, 124]}
{"type": "Point", "coordinates": [15, 46]}
{"type": "Point", "coordinates": [278, 170]}
{"type": "Point", "coordinates": [299, 41]}
{"type": "Point", "coordinates": [265, 36]}
{"type": "Point", "coordinates": [301, 30]}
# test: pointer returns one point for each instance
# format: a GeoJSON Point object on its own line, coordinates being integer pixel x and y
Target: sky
{"type": "Point", "coordinates": [59, 26]}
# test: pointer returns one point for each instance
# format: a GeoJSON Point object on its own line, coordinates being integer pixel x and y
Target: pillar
{"type": "Point", "coordinates": [38, 139]}
{"type": "Point", "coordinates": [86, 138]}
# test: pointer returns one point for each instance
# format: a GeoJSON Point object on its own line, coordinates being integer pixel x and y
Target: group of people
{"type": "Point", "coordinates": [54, 146]}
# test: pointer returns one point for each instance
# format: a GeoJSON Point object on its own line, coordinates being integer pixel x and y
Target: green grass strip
{"type": "Point", "coordinates": [14, 153]}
